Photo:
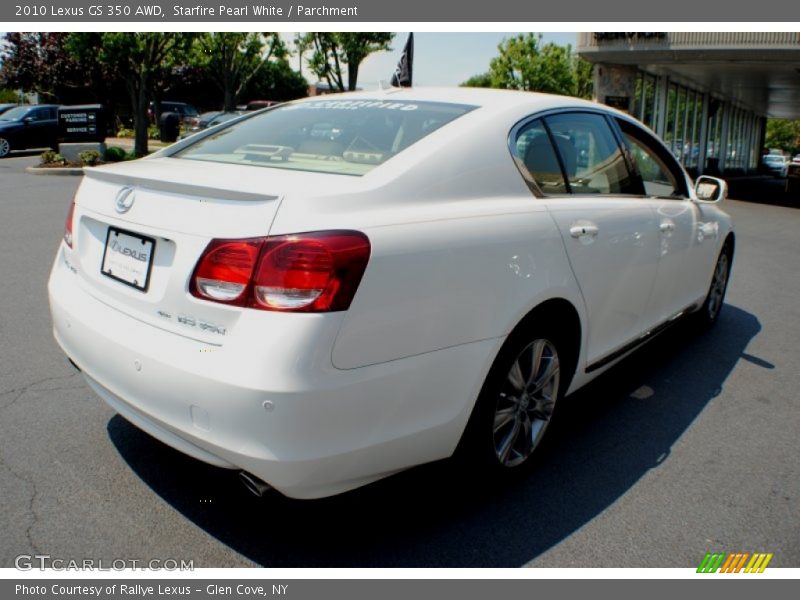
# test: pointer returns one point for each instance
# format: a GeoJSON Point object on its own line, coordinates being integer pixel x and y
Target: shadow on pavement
{"type": "Point", "coordinates": [601, 442]}
{"type": "Point", "coordinates": [763, 190]}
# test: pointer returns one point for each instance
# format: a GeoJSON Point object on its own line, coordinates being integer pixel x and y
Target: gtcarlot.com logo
{"type": "Point", "coordinates": [734, 562]}
{"type": "Point", "coordinates": [28, 562]}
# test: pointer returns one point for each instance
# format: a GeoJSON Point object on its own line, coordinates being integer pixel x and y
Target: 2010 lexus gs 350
{"type": "Point", "coordinates": [333, 290]}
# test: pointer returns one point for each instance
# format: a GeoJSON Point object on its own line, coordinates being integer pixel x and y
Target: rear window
{"type": "Point", "coordinates": [349, 137]}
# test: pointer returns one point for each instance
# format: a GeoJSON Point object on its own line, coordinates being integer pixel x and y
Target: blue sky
{"type": "Point", "coordinates": [440, 58]}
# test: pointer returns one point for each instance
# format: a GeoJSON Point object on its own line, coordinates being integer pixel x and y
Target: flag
{"type": "Point", "coordinates": [403, 72]}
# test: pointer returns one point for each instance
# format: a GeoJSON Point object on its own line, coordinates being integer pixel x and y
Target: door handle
{"type": "Point", "coordinates": [577, 231]}
{"type": "Point", "coordinates": [666, 226]}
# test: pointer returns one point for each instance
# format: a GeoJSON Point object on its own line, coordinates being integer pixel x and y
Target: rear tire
{"type": "Point", "coordinates": [516, 404]}
{"type": "Point", "coordinates": [5, 147]}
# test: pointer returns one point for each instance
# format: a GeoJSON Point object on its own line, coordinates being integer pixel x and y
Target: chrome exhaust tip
{"type": "Point", "coordinates": [253, 484]}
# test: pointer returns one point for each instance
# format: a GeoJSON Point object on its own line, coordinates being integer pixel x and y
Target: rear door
{"type": "Point", "coordinates": [610, 238]}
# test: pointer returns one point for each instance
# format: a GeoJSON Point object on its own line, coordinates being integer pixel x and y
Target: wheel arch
{"type": "Point", "coordinates": [562, 311]}
{"type": "Point", "coordinates": [549, 311]}
{"type": "Point", "coordinates": [730, 241]}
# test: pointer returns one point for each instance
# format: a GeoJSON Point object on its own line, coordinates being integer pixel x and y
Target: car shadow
{"type": "Point", "coordinates": [23, 153]}
{"type": "Point", "coordinates": [601, 442]}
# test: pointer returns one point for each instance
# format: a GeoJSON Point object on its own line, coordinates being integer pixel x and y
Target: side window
{"type": "Point", "coordinates": [539, 158]}
{"type": "Point", "coordinates": [592, 158]}
{"type": "Point", "coordinates": [657, 168]}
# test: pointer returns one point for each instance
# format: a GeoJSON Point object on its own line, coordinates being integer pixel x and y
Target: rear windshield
{"type": "Point", "coordinates": [349, 137]}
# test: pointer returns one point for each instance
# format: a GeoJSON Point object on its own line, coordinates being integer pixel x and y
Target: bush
{"type": "Point", "coordinates": [8, 96]}
{"type": "Point", "coordinates": [115, 154]}
{"type": "Point", "coordinates": [89, 158]}
{"type": "Point", "coordinates": [153, 132]}
{"type": "Point", "coordinates": [48, 157]}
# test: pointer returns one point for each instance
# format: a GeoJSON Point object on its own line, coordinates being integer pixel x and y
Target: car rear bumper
{"type": "Point", "coordinates": [275, 405]}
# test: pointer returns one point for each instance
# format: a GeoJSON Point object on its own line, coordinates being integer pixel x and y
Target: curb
{"type": "Point", "coordinates": [55, 170]}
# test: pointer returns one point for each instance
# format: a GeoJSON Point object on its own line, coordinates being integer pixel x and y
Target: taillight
{"type": "Point", "coordinates": [224, 271]}
{"type": "Point", "coordinates": [311, 272]}
{"type": "Point", "coordinates": [68, 224]}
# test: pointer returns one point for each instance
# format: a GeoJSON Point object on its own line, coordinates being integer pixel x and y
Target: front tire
{"type": "Point", "coordinates": [709, 312]}
{"type": "Point", "coordinates": [5, 147]}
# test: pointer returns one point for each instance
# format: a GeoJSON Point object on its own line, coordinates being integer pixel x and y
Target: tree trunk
{"type": "Point", "coordinates": [229, 101]}
{"type": "Point", "coordinates": [141, 120]}
{"type": "Point", "coordinates": [352, 76]}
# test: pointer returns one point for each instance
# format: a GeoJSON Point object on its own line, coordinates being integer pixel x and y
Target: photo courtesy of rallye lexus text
{"type": "Point", "coordinates": [330, 291]}
{"type": "Point", "coordinates": [101, 591]}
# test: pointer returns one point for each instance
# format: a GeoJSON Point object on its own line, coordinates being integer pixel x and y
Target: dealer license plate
{"type": "Point", "coordinates": [128, 258]}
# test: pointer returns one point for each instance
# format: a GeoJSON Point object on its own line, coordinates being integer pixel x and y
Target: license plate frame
{"type": "Point", "coordinates": [128, 262]}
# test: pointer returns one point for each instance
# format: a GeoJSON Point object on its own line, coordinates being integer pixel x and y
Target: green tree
{"type": "Point", "coordinates": [141, 60]}
{"type": "Point", "coordinates": [783, 134]}
{"type": "Point", "coordinates": [8, 96]}
{"type": "Point", "coordinates": [333, 51]}
{"type": "Point", "coordinates": [39, 62]}
{"type": "Point", "coordinates": [583, 72]}
{"type": "Point", "coordinates": [276, 81]}
{"type": "Point", "coordinates": [302, 44]}
{"type": "Point", "coordinates": [524, 63]}
{"type": "Point", "coordinates": [232, 59]}
{"type": "Point", "coordinates": [483, 80]}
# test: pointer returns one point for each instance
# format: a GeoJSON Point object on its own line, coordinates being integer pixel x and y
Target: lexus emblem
{"type": "Point", "coordinates": [124, 200]}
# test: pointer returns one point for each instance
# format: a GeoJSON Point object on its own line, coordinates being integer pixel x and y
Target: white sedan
{"type": "Point", "coordinates": [331, 291]}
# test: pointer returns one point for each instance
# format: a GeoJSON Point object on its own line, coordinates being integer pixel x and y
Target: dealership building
{"type": "Point", "coordinates": [707, 95]}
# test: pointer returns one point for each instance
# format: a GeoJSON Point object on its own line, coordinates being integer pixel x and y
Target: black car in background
{"type": "Point", "coordinates": [23, 127]}
{"type": "Point", "coordinates": [6, 107]}
{"type": "Point", "coordinates": [793, 177]}
{"type": "Point", "coordinates": [188, 113]}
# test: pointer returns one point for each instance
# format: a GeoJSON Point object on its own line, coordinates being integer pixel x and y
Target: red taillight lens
{"type": "Point", "coordinates": [224, 270]}
{"type": "Point", "coordinates": [68, 224]}
{"type": "Point", "coordinates": [312, 272]}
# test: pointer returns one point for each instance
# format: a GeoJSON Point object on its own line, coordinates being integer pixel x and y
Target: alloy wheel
{"type": "Point", "coordinates": [718, 284]}
{"type": "Point", "coordinates": [525, 402]}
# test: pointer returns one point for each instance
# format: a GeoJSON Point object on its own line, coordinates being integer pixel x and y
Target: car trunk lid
{"type": "Point", "coordinates": [140, 228]}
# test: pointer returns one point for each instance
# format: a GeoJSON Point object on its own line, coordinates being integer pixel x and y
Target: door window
{"type": "Point", "coordinates": [660, 175]}
{"type": "Point", "coordinates": [539, 158]}
{"type": "Point", "coordinates": [590, 155]}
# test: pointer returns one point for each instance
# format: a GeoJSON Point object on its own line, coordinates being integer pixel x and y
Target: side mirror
{"type": "Point", "coordinates": [27, 120]}
{"type": "Point", "coordinates": [710, 189]}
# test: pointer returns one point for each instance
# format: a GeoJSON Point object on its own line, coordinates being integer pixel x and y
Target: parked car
{"type": "Point", "coordinates": [210, 119]}
{"type": "Point", "coordinates": [204, 118]}
{"type": "Point", "coordinates": [428, 278]}
{"type": "Point", "coordinates": [189, 114]}
{"type": "Point", "coordinates": [28, 126]}
{"type": "Point", "coordinates": [259, 104]}
{"type": "Point", "coordinates": [6, 107]}
{"type": "Point", "coordinates": [774, 164]}
{"type": "Point", "coordinates": [793, 177]}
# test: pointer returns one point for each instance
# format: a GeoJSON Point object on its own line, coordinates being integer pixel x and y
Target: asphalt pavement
{"type": "Point", "coordinates": [691, 445]}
